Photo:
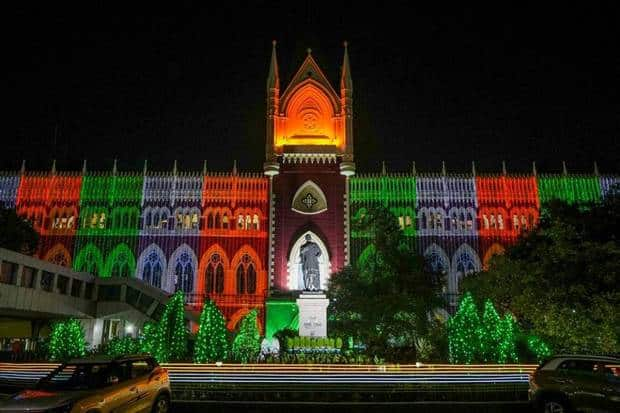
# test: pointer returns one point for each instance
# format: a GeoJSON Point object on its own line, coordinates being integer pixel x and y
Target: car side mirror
{"type": "Point", "coordinates": [155, 374]}
{"type": "Point", "coordinates": [112, 379]}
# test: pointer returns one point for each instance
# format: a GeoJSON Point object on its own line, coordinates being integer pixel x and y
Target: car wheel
{"type": "Point", "coordinates": [555, 406]}
{"type": "Point", "coordinates": [162, 404]}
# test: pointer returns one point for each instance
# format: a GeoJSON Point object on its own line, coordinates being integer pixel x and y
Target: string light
{"type": "Point", "coordinates": [211, 344]}
{"type": "Point", "coordinates": [246, 345]}
{"type": "Point", "coordinates": [66, 340]}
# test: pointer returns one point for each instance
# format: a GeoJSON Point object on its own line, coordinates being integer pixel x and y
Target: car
{"type": "Point", "coordinates": [572, 383]}
{"type": "Point", "coordinates": [98, 385]}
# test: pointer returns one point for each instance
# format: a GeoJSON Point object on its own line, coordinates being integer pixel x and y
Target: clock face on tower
{"type": "Point", "coordinates": [309, 199]}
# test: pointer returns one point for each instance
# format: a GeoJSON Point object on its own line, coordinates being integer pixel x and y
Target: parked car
{"type": "Point", "coordinates": [570, 383]}
{"type": "Point", "coordinates": [98, 385]}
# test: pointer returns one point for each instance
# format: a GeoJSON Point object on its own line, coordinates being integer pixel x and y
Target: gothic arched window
{"type": "Point", "coordinates": [214, 276]}
{"type": "Point", "coordinates": [246, 276]}
{"type": "Point", "coordinates": [120, 265]}
{"type": "Point", "coordinates": [184, 273]}
{"type": "Point", "coordinates": [152, 269]}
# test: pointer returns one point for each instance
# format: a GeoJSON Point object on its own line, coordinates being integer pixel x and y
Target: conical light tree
{"type": "Point", "coordinates": [507, 349]}
{"type": "Point", "coordinates": [491, 333]}
{"type": "Point", "coordinates": [464, 332]}
{"type": "Point", "coordinates": [172, 336]}
{"type": "Point", "coordinates": [66, 340]}
{"type": "Point", "coordinates": [246, 345]}
{"type": "Point", "coordinates": [211, 344]}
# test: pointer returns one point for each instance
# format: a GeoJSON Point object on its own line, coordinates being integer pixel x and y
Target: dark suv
{"type": "Point", "coordinates": [569, 383]}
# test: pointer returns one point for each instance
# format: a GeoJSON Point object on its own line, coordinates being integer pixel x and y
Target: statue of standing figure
{"type": "Point", "coordinates": [309, 254]}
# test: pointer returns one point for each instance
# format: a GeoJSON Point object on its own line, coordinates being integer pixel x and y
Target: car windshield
{"type": "Point", "coordinates": [81, 377]}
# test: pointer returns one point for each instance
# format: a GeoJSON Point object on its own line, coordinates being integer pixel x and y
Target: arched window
{"type": "Point", "coordinates": [216, 219]}
{"type": "Point", "coordinates": [493, 222]}
{"type": "Point", "coordinates": [500, 221]}
{"type": "Point", "coordinates": [102, 219]}
{"type": "Point", "coordinates": [246, 276]}
{"type": "Point", "coordinates": [120, 265]}
{"type": "Point", "coordinates": [225, 221]}
{"type": "Point", "coordinates": [524, 223]}
{"type": "Point", "coordinates": [214, 276]}
{"type": "Point", "coordinates": [187, 224]}
{"type": "Point", "coordinates": [194, 220]}
{"type": "Point", "coordinates": [515, 222]}
{"type": "Point", "coordinates": [470, 221]}
{"type": "Point", "coordinates": [152, 269]}
{"type": "Point", "coordinates": [255, 222]}
{"type": "Point", "coordinates": [210, 220]}
{"type": "Point", "coordinates": [184, 273]}
{"type": "Point", "coordinates": [240, 222]}
{"type": "Point", "coordinates": [70, 222]}
{"type": "Point", "coordinates": [248, 222]}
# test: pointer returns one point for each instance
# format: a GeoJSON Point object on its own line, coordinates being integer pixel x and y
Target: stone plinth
{"type": "Point", "coordinates": [312, 314]}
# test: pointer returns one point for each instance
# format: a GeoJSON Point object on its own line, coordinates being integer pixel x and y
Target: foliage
{"type": "Point", "coordinates": [346, 357]}
{"type": "Point", "coordinates": [119, 346]}
{"type": "Point", "coordinates": [561, 279]}
{"type": "Point", "coordinates": [313, 345]}
{"type": "Point", "coordinates": [171, 343]}
{"type": "Point", "coordinates": [384, 298]}
{"type": "Point", "coordinates": [66, 340]}
{"type": "Point", "coordinates": [149, 338]}
{"type": "Point", "coordinates": [211, 344]}
{"type": "Point", "coordinates": [465, 333]}
{"type": "Point", "coordinates": [246, 345]}
{"type": "Point", "coordinates": [507, 348]}
{"type": "Point", "coordinates": [17, 233]}
{"type": "Point", "coordinates": [283, 336]}
{"type": "Point", "coordinates": [424, 348]}
{"type": "Point", "coordinates": [538, 348]}
{"type": "Point", "coordinates": [491, 333]}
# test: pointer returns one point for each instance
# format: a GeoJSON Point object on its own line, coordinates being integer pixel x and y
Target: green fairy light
{"type": "Point", "coordinates": [211, 344]}
{"type": "Point", "coordinates": [246, 345]}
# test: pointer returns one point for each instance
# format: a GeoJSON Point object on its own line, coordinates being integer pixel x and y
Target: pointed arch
{"type": "Point", "coordinates": [59, 255]}
{"type": "Point", "coordinates": [309, 199]}
{"type": "Point", "coordinates": [294, 273]}
{"type": "Point", "coordinates": [121, 262]}
{"type": "Point", "coordinates": [495, 249]}
{"type": "Point", "coordinates": [181, 270]}
{"type": "Point", "coordinates": [464, 262]}
{"type": "Point", "coordinates": [151, 265]}
{"type": "Point", "coordinates": [208, 270]}
{"type": "Point", "coordinates": [89, 259]}
{"type": "Point", "coordinates": [436, 259]}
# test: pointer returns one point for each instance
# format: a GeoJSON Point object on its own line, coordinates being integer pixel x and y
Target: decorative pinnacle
{"type": "Point", "coordinates": [234, 171]}
{"type": "Point", "coordinates": [443, 167]}
{"type": "Point", "coordinates": [504, 167]}
{"type": "Point", "coordinates": [145, 167]}
{"type": "Point", "coordinates": [309, 50]}
{"type": "Point", "coordinates": [84, 167]}
{"type": "Point", "coordinates": [54, 166]}
{"type": "Point", "coordinates": [23, 170]}
{"type": "Point", "coordinates": [564, 169]}
{"type": "Point", "coordinates": [534, 171]}
{"type": "Point", "coordinates": [114, 167]}
{"type": "Point", "coordinates": [413, 170]}
{"type": "Point", "coordinates": [383, 170]}
{"type": "Point", "coordinates": [204, 167]}
{"type": "Point", "coordinates": [596, 169]}
{"type": "Point", "coordinates": [274, 42]}
{"type": "Point", "coordinates": [174, 167]}
{"type": "Point", "coordinates": [473, 168]}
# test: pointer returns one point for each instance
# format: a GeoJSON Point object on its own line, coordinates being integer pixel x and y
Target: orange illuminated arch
{"type": "Point", "coordinates": [495, 249]}
{"type": "Point", "coordinates": [204, 261]}
{"type": "Point", "coordinates": [58, 254]}
{"type": "Point", "coordinates": [238, 316]}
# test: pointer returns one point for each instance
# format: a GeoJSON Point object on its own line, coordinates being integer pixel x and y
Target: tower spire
{"type": "Point", "coordinates": [346, 82]}
{"type": "Point", "coordinates": [383, 169]}
{"type": "Point", "coordinates": [273, 79]}
{"type": "Point", "coordinates": [174, 167]}
{"type": "Point", "coordinates": [54, 166]}
{"type": "Point", "coordinates": [413, 170]}
{"type": "Point", "coordinates": [504, 168]}
{"type": "Point", "coordinates": [596, 169]}
{"type": "Point", "coordinates": [564, 169]}
{"type": "Point", "coordinates": [115, 168]}
{"type": "Point", "coordinates": [145, 167]}
{"type": "Point", "coordinates": [84, 167]}
{"type": "Point", "coordinates": [534, 171]}
{"type": "Point", "coordinates": [234, 171]}
{"type": "Point", "coordinates": [23, 170]}
{"type": "Point", "coordinates": [473, 168]}
{"type": "Point", "coordinates": [204, 167]}
{"type": "Point", "coordinates": [443, 168]}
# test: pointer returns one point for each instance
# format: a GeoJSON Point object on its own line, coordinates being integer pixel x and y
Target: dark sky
{"type": "Point", "coordinates": [136, 82]}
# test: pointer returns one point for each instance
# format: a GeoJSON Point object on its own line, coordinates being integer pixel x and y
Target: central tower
{"type": "Point", "coordinates": [308, 158]}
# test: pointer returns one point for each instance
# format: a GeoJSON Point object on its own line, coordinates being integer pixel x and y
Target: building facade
{"type": "Point", "coordinates": [236, 237]}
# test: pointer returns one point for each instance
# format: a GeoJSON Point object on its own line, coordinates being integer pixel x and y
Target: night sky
{"type": "Point", "coordinates": [134, 82]}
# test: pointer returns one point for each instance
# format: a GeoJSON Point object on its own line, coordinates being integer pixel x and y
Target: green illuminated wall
{"type": "Point", "coordinates": [396, 192]}
{"type": "Point", "coordinates": [107, 235]}
{"type": "Point", "coordinates": [281, 315]}
{"type": "Point", "coordinates": [569, 188]}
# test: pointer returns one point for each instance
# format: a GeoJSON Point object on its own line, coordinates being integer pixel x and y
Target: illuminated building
{"type": "Point", "coordinates": [235, 237]}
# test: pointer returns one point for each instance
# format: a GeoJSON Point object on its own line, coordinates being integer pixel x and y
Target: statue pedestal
{"type": "Point", "coordinates": [312, 314]}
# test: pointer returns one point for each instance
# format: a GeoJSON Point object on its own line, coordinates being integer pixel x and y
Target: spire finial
{"type": "Point", "coordinates": [145, 167]}
{"type": "Point", "coordinates": [115, 167]}
{"type": "Point", "coordinates": [84, 167]}
{"type": "Point", "coordinates": [346, 82]}
{"type": "Point", "coordinates": [504, 168]}
{"type": "Point", "coordinates": [204, 165]}
{"type": "Point", "coordinates": [309, 50]}
{"type": "Point", "coordinates": [596, 169]}
{"type": "Point", "coordinates": [473, 168]}
{"type": "Point", "coordinates": [413, 170]}
{"type": "Point", "coordinates": [534, 171]}
{"type": "Point", "coordinates": [23, 170]}
{"type": "Point", "coordinates": [273, 79]}
{"type": "Point", "coordinates": [54, 166]}
{"type": "Point", "coordinates": [174, 167]}
{"type": "Point", "coordinates": [383, 169]}
{"type": "Point", "coordinates": [443, 167]}
{"type": "Point", "coordinates": [564, 169]}
{"type": "Point", "coordinates": [234, 171]}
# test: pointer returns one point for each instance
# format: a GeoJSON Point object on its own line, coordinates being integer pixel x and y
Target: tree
{"type": "Point", "coordinates": [491, 333]}
{"type": "Point", "coordinates": [149, 338]}
{"type": "Point", "coordinates": [246, 345]}
{"type": "Point", "coordinates": [383, 298]}
{"type": "Point", "coordinates": [211, 344]}
{"type": "Point", "coordinates": [507, 348]}
{"type": "Point", "coordinates": [465, 333]}
{"type": "Point", "coordinates": [561, 279]}
{"type": "Point", "coordinates": [172, 334]}
{"type": "Point", "coordinates": [66, 340]}
{"type": "Point", "coordinates": [17, 233]}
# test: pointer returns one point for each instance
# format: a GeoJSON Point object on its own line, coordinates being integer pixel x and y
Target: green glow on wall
{"type": "Point", "coordinates": [569, 188]}
{"type": "Point", "coordinates": [280, 315]}
{"type": "Point", "coordinates": [109, 224]}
